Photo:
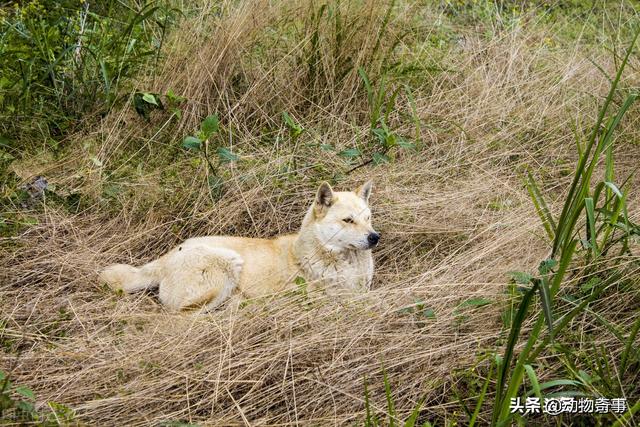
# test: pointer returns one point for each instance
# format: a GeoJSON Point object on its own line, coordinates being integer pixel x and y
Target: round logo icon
{"type": "Point", "coordinates": [552, 406]}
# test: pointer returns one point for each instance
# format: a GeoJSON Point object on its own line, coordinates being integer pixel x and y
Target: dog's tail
{"type": "Point", "coordinates": [130, 278]}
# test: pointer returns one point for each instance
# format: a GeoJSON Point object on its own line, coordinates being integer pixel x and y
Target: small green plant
{"type": "Point", "coordinates": [381, 104]}
{"type": "Point", "coordinates": [295, 129]}
{"type": "Point", "coordinates": [175, 103]}
{"type": "Point", "coordinates": [420, 312]}
{"type": "Point", "coordinates": [372, 419]}
{"type": "Point", "coordinates": [146, 102]}
{"type": "Point", "coordinates": [17, 406]}
{"type": "Point", "coordinates": [210, 127]}
{"type": "Point", "coordinates": [16, 402]}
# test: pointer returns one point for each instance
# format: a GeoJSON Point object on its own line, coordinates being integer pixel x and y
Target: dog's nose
{"type": "Point", "coordinates": [373, 238]}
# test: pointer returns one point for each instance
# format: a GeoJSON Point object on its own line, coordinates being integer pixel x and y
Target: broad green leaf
{"type": "Point", "coordinates": [192, 143]}
{"type": "Point", "coordinates": [547, 266]}
{"type": "Point", "coordinates": [172, 97]}
{"type": "Point", "coordinates": [521, 277]}
{"type": "Point", "coordinates": [429, 313]}
{"type": "Point", "coordinates": [26, 407]}
{"type": "Point", "coordinates": [150, 98]}
{"type": "Point", "coordinates": [210, 125]}
{"type": "Point", "coordinates": [26, 392]}
{"type": "Point", "coordinates": [349, 153]}
{"type": "Point", "coordinates": [403, 143]}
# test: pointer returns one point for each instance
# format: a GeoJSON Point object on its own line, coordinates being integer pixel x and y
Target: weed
{"type": "Point", "coordinates": [60, 60]}
{"type": "Point", "coordinates": [18, 405]}
{"type": "Point", "coordinates": [606, 226]}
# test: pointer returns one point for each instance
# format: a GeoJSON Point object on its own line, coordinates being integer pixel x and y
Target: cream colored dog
{"type": "Point", "coordinates": [331, 251]}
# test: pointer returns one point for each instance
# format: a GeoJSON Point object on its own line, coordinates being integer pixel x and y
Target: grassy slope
{"type": "Point", "coordinates": [495, 94]}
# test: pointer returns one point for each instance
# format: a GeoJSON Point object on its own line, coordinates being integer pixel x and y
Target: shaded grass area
{"type": "Point", "coordinates": [481, 94]}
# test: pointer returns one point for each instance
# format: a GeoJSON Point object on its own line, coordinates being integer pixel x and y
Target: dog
{"type": "Point", "coordinates": [332, 251]}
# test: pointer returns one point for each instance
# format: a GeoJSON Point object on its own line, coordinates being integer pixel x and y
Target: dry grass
{"type": "Point", "coordinates": [454, 216]}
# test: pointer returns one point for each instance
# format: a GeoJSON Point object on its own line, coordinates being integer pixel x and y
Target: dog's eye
{"type": "Point", "coordinates": [348, 220]}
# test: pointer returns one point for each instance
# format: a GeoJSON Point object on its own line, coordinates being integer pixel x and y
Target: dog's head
{"type": "Point", "coordinates": [342, 219]}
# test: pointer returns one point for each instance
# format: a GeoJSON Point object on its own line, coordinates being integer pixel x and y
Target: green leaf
{"type": "Point", "coordinates": [429, 313]}
{"type": "Point", "coordinates": [391, 410]}
{"type": "Point", "coordinates": [411, 421]}
{"type": "Point", "coordinates": [26, 392]}
{"type": "Point", "coordinates": [327, 147]}
{"type": "Point", "coordinates": [403, 143]}
{"type": "Point", "coordinates": [545, 300]}
{"type": "Point", "coordinates": [172, 97]}
{"type": "Point", "coordinates": [150, 98]}
{"type": "Point", "coordinates": [192, 143]}
{"type": "Point", "coordinates": [589, 208]}
{"type": "Point", "coordinates": [381, 134]}
{"type": "Point", "coordinates": [520, 277]}
{"type": "Point", "coordinates": [294, 127]}
{"type": "Point", "coordinates": [547, 266]}
{"type": "Point", "coordinates": [26, 407]}
{"type": "Point", "coordinates": [614, 188]}
{"type": "Point", "coordinates": [349, 153]}
{"type": "Point", "coordinates": [534, 380]}
{"type": "Point", "coordinates": [301, 283]}
{"type": "Point", "coordinates": [210, 125]}
{"type": "Point", "coordinates": [379, 158]}
{"type": "Point", "coordinates": [226, 155]}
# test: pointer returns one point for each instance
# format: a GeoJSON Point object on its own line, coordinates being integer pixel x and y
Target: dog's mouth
{"type": "Point", "coordinates": [366, 246]}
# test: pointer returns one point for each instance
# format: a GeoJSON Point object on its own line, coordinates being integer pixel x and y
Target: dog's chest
{"type": "Point", "coordinates": [350, 270]}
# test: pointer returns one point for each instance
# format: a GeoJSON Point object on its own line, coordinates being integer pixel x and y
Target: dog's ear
{"type": "Point", "coordinates": [324, 198]}
{"type": "Point", "coordinates": [365, 191]}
